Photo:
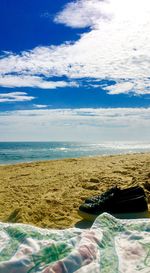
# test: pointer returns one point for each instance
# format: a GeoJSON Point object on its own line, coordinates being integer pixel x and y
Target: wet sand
{"type": "Point", "coordinates": [48, 193]}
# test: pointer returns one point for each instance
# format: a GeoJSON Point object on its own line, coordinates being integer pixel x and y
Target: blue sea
{"type": "Point", "coordinates": [15, 152]}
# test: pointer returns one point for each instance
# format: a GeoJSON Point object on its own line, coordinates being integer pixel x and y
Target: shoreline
{"type": "Point", "coordinates": [65, 158]}
{"type": "Point", "coordinates": [48, 193]}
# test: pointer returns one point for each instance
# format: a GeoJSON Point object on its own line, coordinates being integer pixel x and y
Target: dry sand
{"type": "Point", "coordinates": [48, 194]}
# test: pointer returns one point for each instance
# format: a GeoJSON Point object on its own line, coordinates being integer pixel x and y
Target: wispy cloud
{"type": "Point", "coordinates": [22, 80]}
{"type": "Point", "coordinates": [115, 48]}
{"type": "Point", "coordinates": [40, 106]}
{"type": "Point", "coordinates": [15, 97]}
{"type": "Point", "coordinates": [76, 124]}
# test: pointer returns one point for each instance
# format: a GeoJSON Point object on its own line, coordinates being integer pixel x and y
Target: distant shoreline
{"type": "Point", "coordinates": [26, 152]}
{"type": "Point", "coordinates": [48, 193]}
{"type": "Point", "coordinates": [67, 158]}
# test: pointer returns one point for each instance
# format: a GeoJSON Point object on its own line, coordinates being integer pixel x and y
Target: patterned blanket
{"type": "Point", "coordinates": [109, 246]}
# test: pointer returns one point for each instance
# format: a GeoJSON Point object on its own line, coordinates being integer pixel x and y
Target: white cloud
{"type": "Point", "coordinates": [31, 81]}
{"type": "Point", "coordinates": [76, 124]}
{"type": "Point", "coordinates": [117, 49]}
{"type": "Point", "coordinates": [15, 96]}
{"type": "Point", "coordinates": [82, 13]}
{"type": "Point", "coordinates": [40, 106]}
{"type": "Point", "coordinates": [139, 87]}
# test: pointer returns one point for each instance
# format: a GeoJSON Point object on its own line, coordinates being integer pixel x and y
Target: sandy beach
{"type": "Point", "coordinates": [48, 193]}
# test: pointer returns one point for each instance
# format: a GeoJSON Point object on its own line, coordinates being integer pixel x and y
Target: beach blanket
{"type": "Point", "coordinates": [109, 246]}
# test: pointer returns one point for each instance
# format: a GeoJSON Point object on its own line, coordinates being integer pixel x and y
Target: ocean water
{"type": "Point", "coordinates": [15, 152]}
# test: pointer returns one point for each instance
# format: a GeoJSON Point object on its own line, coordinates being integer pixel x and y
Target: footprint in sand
{"type": "Point", "coordinates": [94, 180]}
{"type": "Point", "coordinates": [89, 187]}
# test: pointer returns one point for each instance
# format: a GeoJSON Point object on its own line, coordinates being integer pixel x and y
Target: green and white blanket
{"type": "Point", "coordinates": [109, 246]}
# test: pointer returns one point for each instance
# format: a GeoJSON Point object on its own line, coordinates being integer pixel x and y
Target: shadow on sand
{"type": "Point", "coordinates": [83, 224]}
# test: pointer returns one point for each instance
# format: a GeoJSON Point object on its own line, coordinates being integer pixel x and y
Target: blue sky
{"type": "Point", "coordinates": [72, 68]}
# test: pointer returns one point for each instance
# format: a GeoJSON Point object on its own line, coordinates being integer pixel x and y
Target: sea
{"type": "Point", "coordinates": [17, 152]}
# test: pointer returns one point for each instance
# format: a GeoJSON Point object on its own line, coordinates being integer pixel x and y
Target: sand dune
{"type": "Point", "coordinates": [48, 194]}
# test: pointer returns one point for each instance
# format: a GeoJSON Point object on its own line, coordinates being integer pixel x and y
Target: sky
{"type": "Point", "coordinates": [75, 70]}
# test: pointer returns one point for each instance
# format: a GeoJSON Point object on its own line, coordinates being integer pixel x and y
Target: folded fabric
{"type": "Point", "coordinates": [109, 246]}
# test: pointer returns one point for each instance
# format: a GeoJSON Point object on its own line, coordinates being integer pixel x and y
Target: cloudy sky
{"type": "Point", "coordinates": [74, 70]}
